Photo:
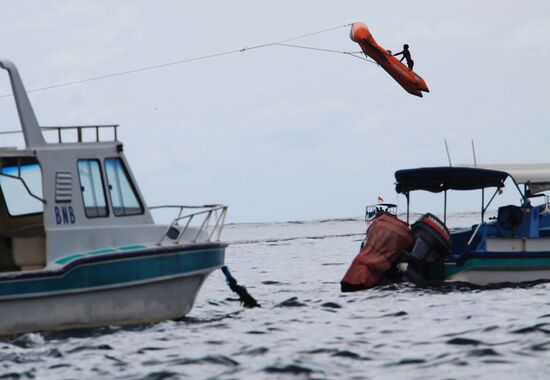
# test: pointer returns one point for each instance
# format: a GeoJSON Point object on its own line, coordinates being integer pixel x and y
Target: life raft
{"type": "Point", "coordinates": [408, 79]}
{"type": "Point", "coordinates": [387, 238]}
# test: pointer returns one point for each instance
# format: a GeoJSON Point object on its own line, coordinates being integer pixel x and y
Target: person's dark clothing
{"type": "Point", "coordinates": [407, 56]}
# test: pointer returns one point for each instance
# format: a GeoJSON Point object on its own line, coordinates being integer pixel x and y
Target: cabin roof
{"type": "Point", "coordinates": [524, 173]}
{"type": "Point", "coordinates": [537, 176]}
{"type": "Point", "coordinates": [438, 179]}
{"type": "Point", "coordinates": [14, 152]}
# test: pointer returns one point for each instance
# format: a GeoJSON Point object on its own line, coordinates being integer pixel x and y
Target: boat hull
{"type": "Point", "coordinates": [157, 285]}
{"type": "Point", "coordinates": [500, 269]}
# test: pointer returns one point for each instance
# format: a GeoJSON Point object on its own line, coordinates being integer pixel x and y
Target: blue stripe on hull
{"type": "Point", "coordinates": [117, 272]}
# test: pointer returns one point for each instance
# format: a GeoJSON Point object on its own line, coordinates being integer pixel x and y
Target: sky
{"type": "Point", "coordinates": [278, 133]}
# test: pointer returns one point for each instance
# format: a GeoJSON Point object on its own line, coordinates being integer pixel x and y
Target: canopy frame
{"type": "Point", "coordinates": [442, 179]}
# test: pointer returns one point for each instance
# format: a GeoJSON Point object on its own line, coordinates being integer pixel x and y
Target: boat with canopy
{"type": "Point", "coordinates": [513, 247]}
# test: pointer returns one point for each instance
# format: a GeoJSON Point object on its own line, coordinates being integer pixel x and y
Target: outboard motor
{"type": "Point", "coordinates": [432, 245]}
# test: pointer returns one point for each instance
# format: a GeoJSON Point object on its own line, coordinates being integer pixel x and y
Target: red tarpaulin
{"type": "Point", "coordinates": [387, 237]}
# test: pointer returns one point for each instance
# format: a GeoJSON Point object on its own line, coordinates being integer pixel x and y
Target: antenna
{"type": "Point", "coordinates": [448, 155]}
{"type": "Point", "coordinates": [474, 153]}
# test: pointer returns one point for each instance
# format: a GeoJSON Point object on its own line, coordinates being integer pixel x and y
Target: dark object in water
{"type": "Point", "coordinates": [387, 238]}
{"type": "Point", "coordinates": [246, 299]}
{"type": "Point", "coordinates": [291, 302]}
{"type": "Point", "coordinates": [432, 246]}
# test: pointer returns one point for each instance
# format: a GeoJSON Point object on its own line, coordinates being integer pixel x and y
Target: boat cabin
{"type": "Point", "coordinates": [65, 196]}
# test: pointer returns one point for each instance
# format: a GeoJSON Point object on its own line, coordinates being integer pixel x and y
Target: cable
{"type": "Point", "coordinates": [350, 53]}
{"type": "Point", "coordinates": [182, 61]}
{"type": "Point", "coordinates": [131, 71]}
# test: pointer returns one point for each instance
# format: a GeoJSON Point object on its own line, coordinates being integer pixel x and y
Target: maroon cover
{"type": "Point", "coordinates": [387, 237]}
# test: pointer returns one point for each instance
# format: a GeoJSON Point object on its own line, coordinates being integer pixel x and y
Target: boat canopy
{"type": "Point", "coordinates": [536, 176]}
{"type": "Point", "coordinates": [438, 179]}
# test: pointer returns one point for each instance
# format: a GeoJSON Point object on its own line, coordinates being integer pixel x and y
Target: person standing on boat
{"type": "Point", "coordinates": [407, 56]}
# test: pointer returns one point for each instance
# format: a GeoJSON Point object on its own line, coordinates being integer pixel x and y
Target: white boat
{"type": "Point", "coordinates": [371, 211]}
{"type": "Point", "coordinates": [78, 244]}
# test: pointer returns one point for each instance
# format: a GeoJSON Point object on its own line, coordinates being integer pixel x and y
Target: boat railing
{"type": "Point", "coordinates": [80, 132]}
{"type": "Point", "coordinates": [84, 133]}
{"type": "Point", "coordinates": [209, 220]}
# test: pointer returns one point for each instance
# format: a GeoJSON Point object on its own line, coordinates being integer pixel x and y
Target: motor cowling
{"type": "Point", "coordinates": [432, 245]}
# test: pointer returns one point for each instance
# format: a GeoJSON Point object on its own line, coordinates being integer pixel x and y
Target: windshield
{"type": "Point", "coordinates": [18, 200]}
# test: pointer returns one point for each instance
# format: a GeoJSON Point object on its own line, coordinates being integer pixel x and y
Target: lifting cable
{"type": "Point", "coordinates": [356, 54]}
{"type": "Point", "coordinates": [282, 43]}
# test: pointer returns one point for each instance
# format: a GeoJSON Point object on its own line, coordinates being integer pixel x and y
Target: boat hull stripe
{"type": "Point", "coordinates": [85, 274]}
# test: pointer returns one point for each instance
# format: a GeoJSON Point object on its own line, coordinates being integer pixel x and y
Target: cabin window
{"type": "Point", "coordinates": [21, 200]}
{"type": "Point", "coordinates": [124, 198]}
{"type": "Point", "coordinates": [91, 184]}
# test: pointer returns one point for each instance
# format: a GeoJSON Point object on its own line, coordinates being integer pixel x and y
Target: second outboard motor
{"type": "Point", "coordinates": [432, 245]}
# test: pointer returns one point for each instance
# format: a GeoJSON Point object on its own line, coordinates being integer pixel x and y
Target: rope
{"type": "Point", "coordinates": [246, 299]}
{"type": "Point", "coordinates": [350, 53]}
{"type": "Point", "coordinates": [182, 61]}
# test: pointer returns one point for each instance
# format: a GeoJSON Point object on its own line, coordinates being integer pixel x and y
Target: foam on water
{"type": "Point", "coordinates": [306, 328]}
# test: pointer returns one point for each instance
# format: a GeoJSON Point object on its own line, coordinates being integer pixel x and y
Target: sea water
{"type": "Point", "coordinates": [306, 328]}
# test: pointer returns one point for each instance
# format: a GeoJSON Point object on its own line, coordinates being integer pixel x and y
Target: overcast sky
{"type": "Point", "coordinates": [279, 133]}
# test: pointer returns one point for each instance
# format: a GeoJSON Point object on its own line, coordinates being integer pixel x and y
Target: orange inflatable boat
{"type": "Point", "coordinates": [408, 79]}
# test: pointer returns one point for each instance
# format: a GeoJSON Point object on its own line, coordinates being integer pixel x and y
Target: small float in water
{"type": "Point", "coordinates": [78, 244]}
{"type": "Point", "coordinates": [408, 79]}
{"type": "Point", "coordinates": [513, 247]}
